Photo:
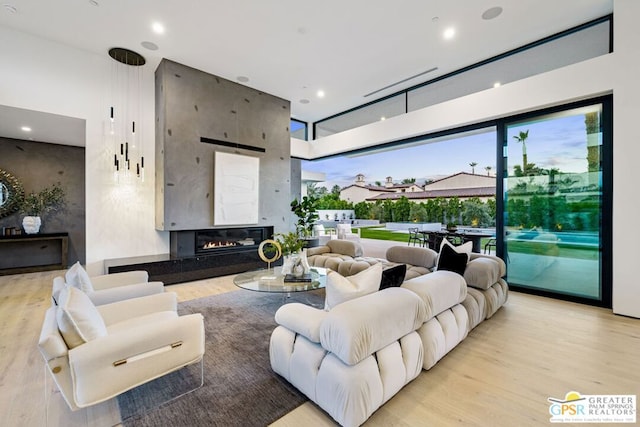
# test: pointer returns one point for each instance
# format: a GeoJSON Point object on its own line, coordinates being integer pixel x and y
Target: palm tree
{"type": "Point", "coordinates": [473, 167]}
{"type": "Point", "coordinates": [522, 137]}
{"type": "Point", "coordinates": [488, 169]}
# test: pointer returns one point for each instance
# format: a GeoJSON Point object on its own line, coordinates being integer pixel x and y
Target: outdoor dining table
{"type": "Point", "coordinates": [434, 238]}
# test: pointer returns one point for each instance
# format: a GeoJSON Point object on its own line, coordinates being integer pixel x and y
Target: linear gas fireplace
{"type": "Point", "coordinates": [208, 241]}
{"type": "Point", "coordinates": [219, 240]}
{"type": "Point", "coordinates": [201, 254]}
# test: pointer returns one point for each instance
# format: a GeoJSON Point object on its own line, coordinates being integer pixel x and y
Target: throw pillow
{"type": "Point", "coordinates": [451, 260]}
{"type": "Point", "coordinates": [393, 276]}
{"type": "Point", "coordinates": [340, 289]}
{"type": "Point", "coordinates": [77, 277]}
{"type": "Point", "coordinates": [78, 319]}
{"type": "Point", "coordinates": [464, 248]}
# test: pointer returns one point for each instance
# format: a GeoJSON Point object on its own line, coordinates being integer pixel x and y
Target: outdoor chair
{"type": "Point", "coordinates": [491, 243]}
{"type": "Point", "coordinates": [345, 232]}
{"type": "Point", "coordinates": [415, 237]}
{"type": "Point", "coordinates": [323, 234]}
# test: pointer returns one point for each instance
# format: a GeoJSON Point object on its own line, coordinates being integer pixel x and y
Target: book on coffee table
{"type": "Point", "coordinates": [294, 278]}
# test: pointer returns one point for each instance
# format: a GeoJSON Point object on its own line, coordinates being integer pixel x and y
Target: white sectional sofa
{"type": "Point", "coordinates": [354, 357]}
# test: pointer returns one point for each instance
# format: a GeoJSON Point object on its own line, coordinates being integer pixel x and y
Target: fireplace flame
{"type": "Point", "coordinates": [213, 244]}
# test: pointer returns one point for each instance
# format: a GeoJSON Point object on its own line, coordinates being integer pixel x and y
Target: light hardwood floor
{"type": "Point", "coordinates": [500, 375]}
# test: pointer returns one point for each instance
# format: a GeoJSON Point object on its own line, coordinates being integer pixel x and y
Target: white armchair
{"type": "Point", "coordinates": [323, 234]}
{"type": "Point", "coordinates": [108, 288]}
{"type": "Point", "coordinates": [346, 232]}
{"type": "Point", "coordinates": [96, 353]}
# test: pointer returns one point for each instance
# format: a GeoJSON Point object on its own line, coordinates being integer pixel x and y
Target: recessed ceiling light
{"type": "Point", "coordinates": [149, 45]}
{"type": "Point", "coordinates": [242, 79]}
{"type": "Point", "coordinates": [26, 129]}
{"type": "Point", "coordinates": [10, 8]}
{"type": "Point", "coordinates": [158, 28]}
{"type": "Point", "coordinates": [383, 118]}
{"type": "Point", "coordinates": [496, 84]}
{"type": "Point", "coordinates": [435, 19]}
{"type": "Point", "coordinates": [492, 13]}
{"type": "Point", "coordinates": [94, 2]}
{"type": "Point", "coordinates": [449, 33]}
{"type": "Point", "coordinates": [304, 101]}
{"type": "Point", "coordinates": [320, 94]}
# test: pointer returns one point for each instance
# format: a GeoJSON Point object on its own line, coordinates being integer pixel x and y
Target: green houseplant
{"type": "Point", "coordinates": [307, 212]}
{"type": "Point", "coordinates": [36, 204]}
{"type": "Point", "coordinates": [289, 242]}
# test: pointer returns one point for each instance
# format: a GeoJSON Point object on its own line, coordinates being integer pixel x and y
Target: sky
{"type": "Point", "coordinates": [553, 143]}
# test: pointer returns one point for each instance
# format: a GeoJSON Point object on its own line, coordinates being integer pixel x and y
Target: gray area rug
{"type": "Point", "coordinates": [240, 389]}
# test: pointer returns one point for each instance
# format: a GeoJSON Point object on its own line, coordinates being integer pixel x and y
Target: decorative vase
{"type": "Point", "coordinates": [31, 224]}
{"type": "Point", "coordinates": [289, 263]}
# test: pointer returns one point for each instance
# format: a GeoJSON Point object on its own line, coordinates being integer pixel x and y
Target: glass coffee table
{"type": "Point", "coordinates": [272, 280]}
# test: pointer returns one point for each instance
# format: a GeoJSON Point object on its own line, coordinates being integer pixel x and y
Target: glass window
{"type": "Point", "coordinates": [298, 129]}
{"type": "Point", "coordinates": [557, 53]}
{"type": "Point", "coordinates": [574, 45]}
{"type": "Point", "coordinates": [553, 203]}
{"type": "Point", "coordinates": [380, 110]}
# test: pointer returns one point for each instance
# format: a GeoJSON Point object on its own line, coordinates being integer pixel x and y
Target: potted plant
{"type": "Point", "coordinates": [36, 204]}
{"type": "Point", "coordinates": [290, 243]}
{"type": "Point", "coordinates": [307, 212]}
{"type": "Point", "coordinates": [294, 256]}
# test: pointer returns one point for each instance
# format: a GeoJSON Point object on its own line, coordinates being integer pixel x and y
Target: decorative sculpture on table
{"type": "Point", "coordinates": [269, 246]}
{"type": "Point", "coordinates": [295, 258]}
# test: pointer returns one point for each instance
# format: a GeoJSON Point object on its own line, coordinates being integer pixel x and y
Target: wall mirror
{"type": "Point", "coordinates": [11, 193]}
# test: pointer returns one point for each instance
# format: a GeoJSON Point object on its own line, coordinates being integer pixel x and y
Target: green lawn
{"type": "Point", "coordinates": [382, 234]}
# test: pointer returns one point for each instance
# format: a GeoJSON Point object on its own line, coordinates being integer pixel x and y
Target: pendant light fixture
{"type": "Point", "coordinates": [125, 114]}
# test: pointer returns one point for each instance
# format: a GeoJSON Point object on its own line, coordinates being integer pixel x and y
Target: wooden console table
{"type": "Point", "coordinates": [28, 253]}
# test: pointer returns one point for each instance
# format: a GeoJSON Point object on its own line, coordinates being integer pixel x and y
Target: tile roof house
{"type": "Point", "coordinates": [462, 185]}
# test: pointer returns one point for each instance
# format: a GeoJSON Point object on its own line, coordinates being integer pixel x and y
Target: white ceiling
{"type": "Point", "coordinates": [292, 48]}
{"type": "Point", "coordinates": [44, 127]}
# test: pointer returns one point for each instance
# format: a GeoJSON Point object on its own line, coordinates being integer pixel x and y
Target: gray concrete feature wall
{"type": "Point", "coordinates": [38, 165]}
{"type": "Point", "coordinates": [191, 104]}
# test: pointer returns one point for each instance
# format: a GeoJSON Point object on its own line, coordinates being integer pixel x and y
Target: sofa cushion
{"type": "Point", "coordinates": [358, 328]}
{"type": "Point", "coordinates": [331, 261]}
{"type": "Point", "coordinates": [451, 260]}
{"type": "Point", "coordinates": [318, 250]}
{"type": "Point", "coordinates": [346, 247]}
{"type": "Point", "coordinates": [412, 255]}
{"type": "Point", "coordinates": [78, 319]}
{"type": "Point", "coordinates": [482, 273]}
{"type": "Point", "coordinates": [340, 289]}
{"type": "Point", "coordinates": [77, 277]}
{"type": "Point", "coordinates": [439, 290]}
{"type": "Point", "coordinates": [414, 271]}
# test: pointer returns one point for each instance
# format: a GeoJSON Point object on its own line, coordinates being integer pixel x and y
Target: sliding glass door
{"type": "Point", "coordinates": [555, 205]}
